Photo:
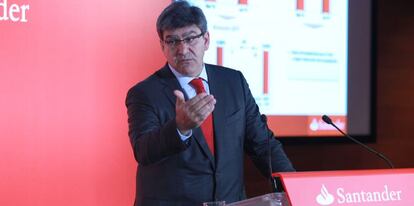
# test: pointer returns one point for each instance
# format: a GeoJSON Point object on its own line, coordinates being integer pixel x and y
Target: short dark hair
{"type": "Point", "coordinates": [180, 14]}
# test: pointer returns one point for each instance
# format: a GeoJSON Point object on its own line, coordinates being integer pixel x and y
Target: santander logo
{"type": "Point", "coordinates": [320, 125]}
{"type": "Point", "coordinates": [359, 197]}
{"type": "Point", "coordinates": [325, 198]}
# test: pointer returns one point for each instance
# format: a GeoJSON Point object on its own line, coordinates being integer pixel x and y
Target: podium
{"type": "Point", "coordinates": [355, 187]}
{"type": "Point", "coordinates": [336, 188]}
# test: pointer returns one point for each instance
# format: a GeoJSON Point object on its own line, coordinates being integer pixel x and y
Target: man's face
{"type": "Point", "coordinates": [184, 49]}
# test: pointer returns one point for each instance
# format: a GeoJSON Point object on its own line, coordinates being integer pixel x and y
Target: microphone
{"type": "Point", "coordinates": [328, 120]}
{"type": "Point", "coordinates": [273, 182]}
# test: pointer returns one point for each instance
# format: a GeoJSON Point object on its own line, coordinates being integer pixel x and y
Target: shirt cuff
{"type": "Point", "coordinates": [184, 137]}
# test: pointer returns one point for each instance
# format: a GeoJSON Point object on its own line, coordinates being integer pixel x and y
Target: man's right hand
{"type": "Point", "coordinates": [192, 113]}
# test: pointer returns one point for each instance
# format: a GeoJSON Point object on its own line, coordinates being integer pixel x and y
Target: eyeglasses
{"type": "Point", "coordinates": [187, 40]}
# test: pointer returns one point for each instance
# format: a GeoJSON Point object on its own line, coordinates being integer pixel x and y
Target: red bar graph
{"type": "Point", "coordinates": [300, 5]}
{"type": "Point", "coordinates": [243, 2]}
{"type": "Point", "coordinates": [325, 7]}
{"type": "Point", "coordinates": [220, 56]}
{"type": "Point", "coordinates": [265, 72]}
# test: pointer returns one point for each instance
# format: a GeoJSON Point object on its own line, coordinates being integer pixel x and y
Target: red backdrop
{"type": "Point", "coordinates": [64, 75]}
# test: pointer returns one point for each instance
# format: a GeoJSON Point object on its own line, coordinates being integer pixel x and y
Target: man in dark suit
{"type": "Point", "coordinates": [190, 123]}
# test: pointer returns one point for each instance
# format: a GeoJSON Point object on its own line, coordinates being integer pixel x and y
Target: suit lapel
{"type": "Point", "coordinates": [171, 83]}
{"type": "Point", "coordinates": [214, 81]}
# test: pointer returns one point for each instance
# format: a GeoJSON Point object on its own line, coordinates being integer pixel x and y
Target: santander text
{"type": "Point", "coordinates": [13, 12]}
{"type": "Point", "coordinates": [385, 195]}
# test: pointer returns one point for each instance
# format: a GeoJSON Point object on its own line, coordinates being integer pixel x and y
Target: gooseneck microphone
{"type": "Point", "coordinates": [269, 155]}
{"type": "Point", "coordinates": [328, 120]}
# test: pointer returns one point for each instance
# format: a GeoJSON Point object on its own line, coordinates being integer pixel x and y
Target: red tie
{"type": "Point", "coordinates": [207, 126]}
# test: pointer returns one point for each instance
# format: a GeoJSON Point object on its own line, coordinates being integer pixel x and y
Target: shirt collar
{"type": "Point", "coordinates": [186, 79]}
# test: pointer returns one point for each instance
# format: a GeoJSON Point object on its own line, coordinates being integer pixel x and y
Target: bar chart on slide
{"type": "Point", "coordinates": [278, 50]}
{"type": "Point", "coordinates": [292, 53]}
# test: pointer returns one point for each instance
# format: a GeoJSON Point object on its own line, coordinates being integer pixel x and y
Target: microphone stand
{"type": "Point", "coordinates": [328, 120]}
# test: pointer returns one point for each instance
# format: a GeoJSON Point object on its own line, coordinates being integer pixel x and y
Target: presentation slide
{"type": "Point", "coordinates": [293, 54]}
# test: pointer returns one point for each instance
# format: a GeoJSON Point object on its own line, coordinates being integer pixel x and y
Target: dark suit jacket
{"type": "Point", "coordinates": [172, 172]}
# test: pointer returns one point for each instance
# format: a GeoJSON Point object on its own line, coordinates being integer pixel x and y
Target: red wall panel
{"type": "Point", "coordinates": [64, 75]}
